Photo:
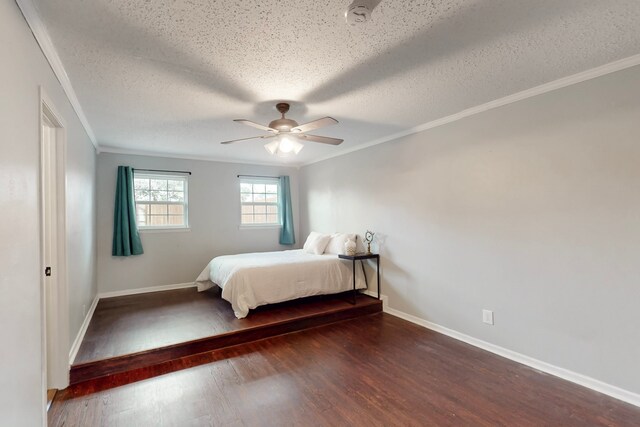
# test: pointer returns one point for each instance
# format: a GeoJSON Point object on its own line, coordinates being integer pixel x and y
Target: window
{"type": "Point", "coordinates": [161, 200]}
{"type": "Point", "coordinates": [259, 201]}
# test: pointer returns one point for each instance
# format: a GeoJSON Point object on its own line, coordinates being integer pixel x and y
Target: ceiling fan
{"type": "Point", "coordinates": [288, 133]}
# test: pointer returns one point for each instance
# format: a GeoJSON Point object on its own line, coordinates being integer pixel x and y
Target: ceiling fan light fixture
{"type": "Point", "coordinates": [284, 146]}
{"type": "Point", "coordinates": [287, 133]}
{"type": "Point", "coordinates": [272, 147]}
{"type": "Point", "coordinates": [297, 147]}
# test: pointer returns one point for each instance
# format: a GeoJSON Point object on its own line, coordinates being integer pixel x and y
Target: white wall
{"type": "Point", "coordinates": [531, 210]}
{"type": "Point", "coordinates": [23, 69]}
{"type": "Point", "coordinates": [214, 215]}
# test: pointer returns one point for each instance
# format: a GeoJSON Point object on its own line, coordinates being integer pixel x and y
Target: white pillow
{"type": "Point", "coordinates": [316, 242]}
{"type": "Point", "coordinates": [336, 244]}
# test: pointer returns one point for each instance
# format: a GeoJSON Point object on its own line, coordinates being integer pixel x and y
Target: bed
{"type": "Point", "coordinates": [254, 279]}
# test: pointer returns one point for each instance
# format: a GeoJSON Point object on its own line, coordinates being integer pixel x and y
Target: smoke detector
{"type": "Point", "coordinates": [358, 13]}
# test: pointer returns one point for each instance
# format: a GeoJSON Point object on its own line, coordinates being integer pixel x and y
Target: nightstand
{"type": "Point", "coordinates": [361, 257]}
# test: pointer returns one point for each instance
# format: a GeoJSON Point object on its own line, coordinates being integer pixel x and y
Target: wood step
{"type": "Point", "coordinates": [148, 358]}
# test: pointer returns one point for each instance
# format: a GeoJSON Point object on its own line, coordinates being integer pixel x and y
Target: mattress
{"type": "Point", "coordinates": [254, 279]}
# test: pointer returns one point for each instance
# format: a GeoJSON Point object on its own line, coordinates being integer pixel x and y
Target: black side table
{"type": "Point", "coordinates": [361, 257]}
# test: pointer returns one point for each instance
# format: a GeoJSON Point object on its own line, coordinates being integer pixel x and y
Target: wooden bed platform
{"type": "Point", "coordinates": [140, 331]}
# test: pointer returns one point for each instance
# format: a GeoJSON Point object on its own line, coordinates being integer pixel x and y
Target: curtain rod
{"type": "Point", "coordinates": [257, 176]}
{"type": "Point", "coordinates": [160, 170]}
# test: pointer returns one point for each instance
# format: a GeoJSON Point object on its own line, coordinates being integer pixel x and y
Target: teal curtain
{"type": "Point", "coordinates": [126, 239]}
{"type": "Point", "coordinates": [287, 236]}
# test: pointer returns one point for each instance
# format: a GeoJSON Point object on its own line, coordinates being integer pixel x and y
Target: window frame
{"type": "Point", "coordinates": [258, 180]}
{"type": "Point", "coordinates": [164, 176]}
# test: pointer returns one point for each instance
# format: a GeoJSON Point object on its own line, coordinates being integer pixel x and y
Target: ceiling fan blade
{"type": "Point", "coordinates": [256, 125]}
{"type": "Point", "coordinates": [316, 124]}
{"type": "Point", "coordinates": [251, 137]}
{"type": "Point", "coordinates": [321, 139]}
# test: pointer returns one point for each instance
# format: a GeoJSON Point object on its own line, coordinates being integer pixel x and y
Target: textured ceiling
{"type": "Point", "coordinates": [168, 77]}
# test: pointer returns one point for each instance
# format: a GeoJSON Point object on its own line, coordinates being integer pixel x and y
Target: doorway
{"type": "Point", "coordinates": [54, 298]}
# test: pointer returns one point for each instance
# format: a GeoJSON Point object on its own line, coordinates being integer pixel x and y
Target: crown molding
{"type": "Point", "coordinates": [41, 35]}
{"type": "Point", "coordinates": [583, 76]}
{"type": "Point", "coordinates": [128, 152]}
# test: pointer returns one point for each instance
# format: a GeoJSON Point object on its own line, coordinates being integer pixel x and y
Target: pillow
{"type": "Point", "coordinates": [336, 244]}
{"type": "Point", "coordinates": [316, 242]}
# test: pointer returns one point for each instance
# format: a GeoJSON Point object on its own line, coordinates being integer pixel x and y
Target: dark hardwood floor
{"type": "Point", "coordinates": [374, 370]}
{"type": "Point", "coordinates": [137, 332]}
{"type": "Point", "coordinates": [134, 323]}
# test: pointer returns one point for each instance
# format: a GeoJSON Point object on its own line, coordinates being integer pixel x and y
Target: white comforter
{"type": "Point", "coordinates": [251, 280]}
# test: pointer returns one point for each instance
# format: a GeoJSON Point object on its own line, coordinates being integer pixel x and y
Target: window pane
{"type": "Point", "coordinates": [176, 196]}
{"type": "Point", "coordinates": [158, 209]}
{"type": "Point", "coordinates": [175, 185]}
{"type": "Point", "coordinates": [141, 214]}
{"type": "Point", "coordinates": [157, 220]}
{"type": "Point", "coordinates": [142, 195]}
{"type": "Point", "coordinates": [159, 184]}
{"type": "Point", "coordinates": [176, 210]}
{"type": "Point", "coordinates": [271, 188]}
{"type": "Point", "coordinates": [176, 220]}
{"type": "Point", "coordinates": [169, 194]}
{"type": "Point", "coordinates": [159, 196]}
{"type": "Point", "coordinates": [259, 202]}
{"type": "Point", "coordinates": [141, 184]}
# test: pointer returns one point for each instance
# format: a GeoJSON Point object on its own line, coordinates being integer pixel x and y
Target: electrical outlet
{"type": "Point", "coordinates": [487, 317]}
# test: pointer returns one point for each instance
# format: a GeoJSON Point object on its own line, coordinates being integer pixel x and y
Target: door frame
{"type": "Point", "coordinates": [59, 312]}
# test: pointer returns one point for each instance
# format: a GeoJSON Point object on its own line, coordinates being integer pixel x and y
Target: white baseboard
{"type": "Point", "coordinates": [574, 377]}
{"type": "Point", "coordinates": [583, 380]}
{"type": "Point", "coordinates": [146, 290]}
{"type": "Point", "coordinates": [83, 330]}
